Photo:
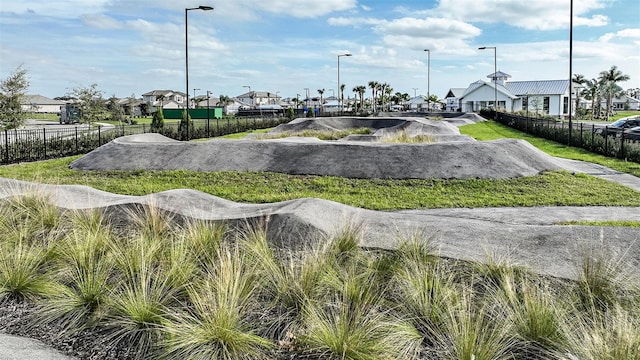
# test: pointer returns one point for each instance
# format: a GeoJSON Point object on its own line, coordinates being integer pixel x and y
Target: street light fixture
{"type": "Point", "coordinates": [195, 98]}
{"type": "Point", "coordinates": [495, 79]}
{"type": "Point", "coordinates": [186, 52]}
{"type": "Point", "coordinates": [249, 92]}
{"type": "Point", "coordinates": [428, 77]}
{"type": "Point", "coordinates": [339, 88]}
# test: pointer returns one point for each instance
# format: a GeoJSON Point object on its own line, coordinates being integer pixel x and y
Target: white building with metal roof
{"type": "Point", "coordinates": [40, 104]}
{"type": "Point", "coordinates": [549, 97]}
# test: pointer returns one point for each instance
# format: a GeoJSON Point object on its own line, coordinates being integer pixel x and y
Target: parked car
{"type": "Point", "coordinates": [619, 126]}
{"type": "Point", "coordinates": [632, 134]}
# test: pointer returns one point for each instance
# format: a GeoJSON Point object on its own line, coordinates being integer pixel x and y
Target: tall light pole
{"type": "Point", "coordinates": [339, 88]}
{"type": "Point", "coordinates": [495, 79]}
{"type": "Point", "coordinates": [306, 93]}
{"type": "Point", "coordinates": [414, 91]}
{"type": "Point", "coordinates": [428, 77]}
{"type": "Point", "coordinates": [571, 69]}
{"type": "Point", "coordinates": [186, 53]}
{"type": "Point", "coordinates": [208, 111]}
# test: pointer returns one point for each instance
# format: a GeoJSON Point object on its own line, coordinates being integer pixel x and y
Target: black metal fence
{"type": "Point", "coordinates": [595, 138]}
{"type": "Point", "coordinates": [26, 145]}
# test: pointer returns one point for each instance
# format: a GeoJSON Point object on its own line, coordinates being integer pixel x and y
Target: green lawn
{"type": "Point", "coordinates": [491, 130]}
{"type": "Point", "coordinates": [559, 188]}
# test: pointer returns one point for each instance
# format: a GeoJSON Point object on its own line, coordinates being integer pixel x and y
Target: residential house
{"type": "Point", "coordinates": [418, 103]}
{"type": "Point", "coordinates": [132, 107]}
{"type": "Point", "coordinates": [453, 99]}
{"type": "Point", "coordinates": [41, 104]}
{"type": "Point", "coordinates": [166, 99]}
{"type": "Point", "coordinates": [549, 97]}
{"type": "Point", "coordinates": [622, 103]}
{"type": "Point", "coordinates": [254, 99]}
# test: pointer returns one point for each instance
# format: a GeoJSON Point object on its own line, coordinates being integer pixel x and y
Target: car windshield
{"type": "Point", "coordinates": [619, 122]}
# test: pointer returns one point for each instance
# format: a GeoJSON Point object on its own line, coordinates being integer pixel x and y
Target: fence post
{"type": "Point", "coordinates": [581, 134]}
{"type": "Point", "coordinates": [99, 136]}
{"type": "Point", "coordinates": [6, 145]}
{"type": "Point", "coordinates": [622, 144]}
{"type": "Point", "coordinates": [606, 140]}
{"type": "Point", "coordinates": [76, 139]}
{"type": "Point", "coordinates": [44, 142]}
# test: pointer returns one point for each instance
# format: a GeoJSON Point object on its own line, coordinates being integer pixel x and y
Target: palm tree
{"type": "Point", "coordinates": [321, 91]}
{"type": "Point", "coordinates": [161, 99]}
{"type": "Point", "coordinates": [590, 92]}
{"type": "Point", "coordinates": [342, 86]}
{"type": "Point", "coordinates": [405, 99]}
{"type": "Point", "coordinates": [610, 80]}
{"type": "Point", "coordinates": [360, 90]}
{"type": "Point", "coordinates": [224, 100]}
{"type": "Point", "coordinates": [388, 90]}
{"type": "Point", "coordinates": [578, 79]}
{"type": "Point", "coordinates": [374, 86]}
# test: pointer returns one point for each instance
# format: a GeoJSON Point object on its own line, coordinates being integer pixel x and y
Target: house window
{"type": "Point", "coordinates": [565, 105]}
{"type": "Point", "coordinates": [545, 105]}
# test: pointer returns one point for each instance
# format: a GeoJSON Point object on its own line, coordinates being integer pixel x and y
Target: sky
{"type": "Point", "coordinates": [129, 47]}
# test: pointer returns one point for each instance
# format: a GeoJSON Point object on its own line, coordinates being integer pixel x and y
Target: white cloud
{"type": "Point", "coordinates": [249, 9]}
{"type": "Point", "coordinates": [533, 15]}
{"type": "Point", "coordinates": [103, 22]}
{"type": "Point", "coordinates": [445, 35]}
{"type": "Point", "coordinates": [626, 33]}
{"type": "Point", "coordinates": [54, 8]}
{"type": "Point", "coordinates": [354, 21]}
{"type": "Point", "coordinates": [594, 21]}
{"type": "Point", "coordinates": [429, 28]}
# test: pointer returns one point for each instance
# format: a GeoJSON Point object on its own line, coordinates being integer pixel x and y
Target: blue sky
{"type": "Point", "coordinates": [134, 46]}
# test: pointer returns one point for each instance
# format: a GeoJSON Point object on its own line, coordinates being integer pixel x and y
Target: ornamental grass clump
{"type": "Point", "coordinates": [83, 277]}
{"type": "Point", "coordinates": [610, 335]}
{"type": "Point", "coordinates": [403, 137]}
{"type": "Point", "coordinates": [203, 240]}
{"type": "Point", "coordinates": [28, 229]}
{"type": "Point", "coordinates": [426, 294]}
{"type": "Point", "coordinates": [23, 270]}
{"type": "Point", "coordinates": [151, 280]}
{"type": "Point", "coordinates": [355, 323]}
{"type": "Point", "coordinates": [220, 323]}
{"type": "Point", "coordinates": [536, 316]}
{"type": "Point", "coordinates": [475, 329]}
{"type": "Point", "coordinates": [602, 280]}
{"type": "Point", "coordinates": [287, 280]}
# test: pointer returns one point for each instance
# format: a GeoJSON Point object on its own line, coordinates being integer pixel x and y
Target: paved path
{"type": "Point", "coordinates": [20, 348]}
{"type": "Point", "coordinates": [601, 172]}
